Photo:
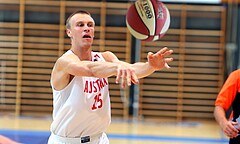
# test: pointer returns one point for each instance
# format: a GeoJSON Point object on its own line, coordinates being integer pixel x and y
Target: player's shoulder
{"type": "Point", "coordinates": [234, 76]}
{"type": "Point", "coordinates": [236, 73]}
{"type": "Point", "coordinates": [109, 56]}
{"type": "Point", "coordinates": [68, 54]}
{"type": "Point", "coordinates": [67, 57]}
{"type": "Point", "coordinates": [107, 53]}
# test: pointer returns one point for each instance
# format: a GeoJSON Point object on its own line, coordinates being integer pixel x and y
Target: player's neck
{"type": "Point", "coordinates": [83, 54]}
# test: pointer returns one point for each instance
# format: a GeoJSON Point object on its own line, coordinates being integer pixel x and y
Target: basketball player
{"type": "Point", "coordinates": [81, 100]}
{"type": "Point", "coordinates": [229, 96]}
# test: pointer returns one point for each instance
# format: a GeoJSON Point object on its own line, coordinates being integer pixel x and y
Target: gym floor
{"type": "Point", "coordinates": [32, 130]}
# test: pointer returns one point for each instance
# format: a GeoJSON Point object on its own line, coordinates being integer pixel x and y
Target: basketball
{"type": "Point", "coordinates": [148, 20]}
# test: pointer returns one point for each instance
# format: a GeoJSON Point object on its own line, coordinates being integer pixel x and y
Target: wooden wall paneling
{"type": "Point", "coordinates": [62, 27]}
{"type": "Point", "coordinates": [111, 36]}
{"type": "Point", "coordinates": [43, 41]}
{"type": "Point", "coordinates": [181, 63]}
{"type": "Point", "coordinates": [12, 2]}
{"type": "Point", "coordinates": [128, 59]}
{"type": "Point", "coordinates": [117, 41]}
{"type": "Point", "coordinates": [187, 90]}
{"type": "Point", "coordinates": [102, 26]}
{"type": "Point", "coordinates": [20, 57]}
{"type": "Point", "coordinates": [9, 29]}
{"type": "Point", "coordinates": [8, 70]}
{"type": "Point", "coordinates": [231, 1]}
{"type": "Point", "coordinates": [207, 55]}
{"type": "Point", "coordinates": [159, 91]}
{"type": "Point", "coordinates": [222, 46]}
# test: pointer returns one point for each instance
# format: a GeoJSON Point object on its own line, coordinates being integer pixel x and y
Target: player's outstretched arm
{"type": "Point", "coordinates": [70, 65]}
{"type": "Point", "coordinates": [125, 72]}
{"type": "Point", "coordinates": [156, 61]}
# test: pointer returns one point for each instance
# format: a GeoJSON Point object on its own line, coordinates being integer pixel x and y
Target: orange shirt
{"type": "Point", "coordinates": [230, 93]}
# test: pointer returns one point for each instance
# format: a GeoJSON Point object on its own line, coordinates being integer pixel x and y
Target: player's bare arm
{"type": "Point", "coordinates": [156, 61]}
{"type": "Point", "coordinates": [70, 65]}
{"type": "Point", "coordinates": [227, 126]}
{"type": "Point", "coordinates": [125, 70]}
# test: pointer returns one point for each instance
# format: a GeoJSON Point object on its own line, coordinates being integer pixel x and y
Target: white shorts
{"type": "Point", "coordinates": [96, 139]}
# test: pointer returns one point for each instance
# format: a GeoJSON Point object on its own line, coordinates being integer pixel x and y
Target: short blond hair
{"type": "Point", "coordinates": [68, 24]}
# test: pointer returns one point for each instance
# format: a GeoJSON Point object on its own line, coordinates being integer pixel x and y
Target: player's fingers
{"type": "Point", "coordinates": [162, 51]}
{"type": "Point", "coordinates": [167, 66]}
{"type": "Point", "coordinates": [150, 55]}
{"type": "Point", "coordinates": [233, 128]}
{"type": "Point", "coordinates": [167, 53]}
{"type": "Point", "coordinates": [123, 83]}
{"type": "Point", "coordinates": [231, 131]}
{"type": "Point", "coordinates": [232, 134]}
{"type": "Point", "coordinates": [167, 60]}
{"type": "Point", "coordinates": [128, 77]}
{"type": "Point", "coordinates": [123, 77]}
{"type": "Point", "coordinates": [134, 78]}
{"type": "Point", "coordinates": [234, 123]}
{"type": "Point", "coordinates": [119, 73]}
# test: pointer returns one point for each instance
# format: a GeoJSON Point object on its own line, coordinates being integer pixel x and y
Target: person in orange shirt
{"type": "Point", "coordinates": [229, 96]}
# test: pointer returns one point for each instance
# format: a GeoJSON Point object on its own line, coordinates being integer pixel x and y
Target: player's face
{"type": "Point", "coordinates": [82, 29]}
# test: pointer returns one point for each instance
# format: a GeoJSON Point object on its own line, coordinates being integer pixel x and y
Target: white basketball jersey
{"type": "Point", "coordinates": [83, 107]}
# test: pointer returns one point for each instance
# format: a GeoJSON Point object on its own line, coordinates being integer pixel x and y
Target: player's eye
{"type": "Point", "coordinates": [81, 24]}
{"type": "Point", "coordinates": [90, 25]}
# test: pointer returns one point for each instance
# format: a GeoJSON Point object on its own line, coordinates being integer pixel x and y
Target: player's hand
{"type": "Point", "coordinates": [126, 74]}
{"type": "Point", "coordinates": [160, 59]}
{"type": "Point", "coordinates": [229, 129]}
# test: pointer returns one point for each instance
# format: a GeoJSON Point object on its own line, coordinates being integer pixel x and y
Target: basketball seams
{"type": "Point", "coordinates": [137, 34]}
{"type": "Point", "coordinates": [135, 23]}
{"type": "Point", "coordinates": [155, 10]}
{"type": "Point", "coordinates": [167, 21]}
{"type": "Point", "coordinates": [140, 13]}
{"type": "Point", "coordinates": [148, 20]}
{"type": "Point", "coordinates": [151, 23]}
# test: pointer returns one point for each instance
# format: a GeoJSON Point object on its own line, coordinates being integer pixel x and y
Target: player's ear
{"type": "Point", "coordinates": [69, 33]}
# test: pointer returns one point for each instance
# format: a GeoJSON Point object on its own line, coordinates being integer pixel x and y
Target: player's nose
{"type": "Point", "coordinates": [86, 28]}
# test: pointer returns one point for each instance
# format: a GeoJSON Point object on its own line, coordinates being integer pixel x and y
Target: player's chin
{"type": "Point", "coordinates": [87, 41]}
